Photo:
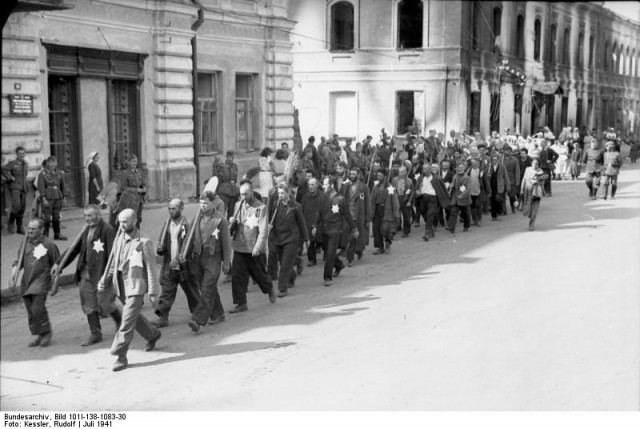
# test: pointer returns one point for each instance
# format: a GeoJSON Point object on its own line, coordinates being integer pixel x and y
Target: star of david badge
{"type": "Point", "coordinates": [136, 258]}
{"type": "Point", "coordinates": [39, 251]}
{"type": "Point", "coordinates": [335, 208]}
{"type": "Point", "coordinates": [391, 189]}
{"type": "Point", "coordinates": [215, 234]}
{"type": "Point", "coordinates": [252, 221]}
{"type": "Point", "coordinates": [463, 188]}
{"type": "Point", "coordinates": [98, 246]}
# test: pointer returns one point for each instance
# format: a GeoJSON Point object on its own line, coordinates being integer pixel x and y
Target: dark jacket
{"type": "Point", "coordinates": [333, 211]}
{"type": "Point", "coordinates": [438, 186]}
{"type": "Point", "coordinates": [311, 204]}
{"type": "Point", "coordinates": [92, 255]}
{"type": "Point", "coordinates": [460, 192]}
{"type": "Point", "coordinates": [15, 174]}
{"type": "Point", "coordinates": [38, 259]}
{"type": "Point", "coordinates": [288, 228]}
{"type": "Point", "coordinates": [546, 158]}
{"type": "Point", "coordinates": [501, 179]}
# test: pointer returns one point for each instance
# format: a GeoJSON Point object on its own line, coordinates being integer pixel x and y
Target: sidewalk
{"type": "Point", "coordinates": [153, 218]}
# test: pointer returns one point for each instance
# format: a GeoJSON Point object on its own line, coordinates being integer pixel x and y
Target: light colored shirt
{"type": "Point", "coordinates": [174, 230]}
{"type": "Point", "coordinates": [474, 181]}
{"type": "Point", "coordinates": [427, 187]}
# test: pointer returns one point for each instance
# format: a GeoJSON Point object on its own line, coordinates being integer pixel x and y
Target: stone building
{"type": "Point", "coordinates": [463, 65]}
{"type": "Point", "coordinates": [125, 77]}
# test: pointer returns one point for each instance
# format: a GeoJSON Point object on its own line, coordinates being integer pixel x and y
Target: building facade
{"type": "Point", "coordinates": [174, 82]}
{"type": "Point", "coordinates": [415, 65]}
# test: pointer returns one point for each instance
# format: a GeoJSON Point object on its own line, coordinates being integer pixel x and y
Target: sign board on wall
{"type": "Point", "coordinates": [20, 104]}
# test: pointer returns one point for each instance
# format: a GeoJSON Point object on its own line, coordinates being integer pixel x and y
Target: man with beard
{"type": "Point", "coordinates": [360, 209]}
{"type": "Point", "coordinates": [385, 213]}
{"type": "Point", "coordinates": [211, 251]}
{"type": "Point", "coordinates": [39, 256]}
{"type": "Point", "coordinates": [172, 272]}
{"type": "Point", "coordinates": [287, 230]}
{"type": "Point", "coordinates": [334, 213]}
{"type": "Point", "coordinates": [311, 203]}
{"type": "Point", "coordinates": [404, 188]}
{"type": "Point", "coordinates": [132, 273]}
{"type": "Point", "coordinates": [92, 251]}
{"type": "Point", "coordinates": [249, 229]}
{"type": "Point", "coordinates": [430, 195]}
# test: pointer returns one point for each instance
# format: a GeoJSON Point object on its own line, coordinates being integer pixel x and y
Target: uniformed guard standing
{"type": "Point", "coordinates": [612, 163]}
{"type": "Point", "coordinates": [51, 187]}
{"type": "Point", "coordinates": [15, 174]}
{"type": "Point", "coordinates": [134, 180]}
{"type": "Point", "coordinates": [593, 158]}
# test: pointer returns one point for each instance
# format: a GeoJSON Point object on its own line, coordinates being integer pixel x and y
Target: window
{"type": "Point", "coordinates": [245, 112]}
{"type": "Point", "coordinates": [566, 47]}
{"type": "Point", "coordinates": [552, 43]}
{"type": "Point", "coordinates": [520, 37]}
{"type": "Point", "coordinates": [477, 25]}
{"type": "Point", "coordinates": [605, 57]}
{"type": "Point", "coordinates": [344, 114]}
{"type": "Point", "coordinates": [591, 51]}
{"type": "Point", "coordinates": [497, 25]}
{"type": "Point", "coordinates": [208, 126]}
{"type": "Point", "coordinates": [123, 141]}
{"type": "Point", "coordinates": [410, 24]}
{"type": "Point", "coordinates": [580, 51]}
{"type": "Point", "coordinates": [409, 112]}
{"type": "Point", "coordinates": [342, 26]}
{"type": "Point", "coordinates": [537, 27]}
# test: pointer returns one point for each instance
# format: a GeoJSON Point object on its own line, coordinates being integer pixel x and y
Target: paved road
{"type": "Point", "coordinates": [498, 318]}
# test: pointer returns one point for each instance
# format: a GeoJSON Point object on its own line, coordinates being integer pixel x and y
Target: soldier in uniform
{"type": "Point", "coordinates": [227, 174]}
{"type": "Point", "coordinates": [249, 229]}
{"type": "Point", "coordinates": [134, 180]}
{"type": "Point", "coordinates": [40, 254]}
{"type": "Point", "coordinates": [15, 174]}
{"type": "Point", "coordinates": [52, 188]}
{"type": "Point", "coordinates": [612, 164]}
{"type": "Point", "coordinates": [593, 159]}
{"type": "Point", "coordinates": [93, 253]}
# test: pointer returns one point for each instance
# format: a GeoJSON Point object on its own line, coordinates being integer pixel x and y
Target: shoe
{"type": "Point", "coordinates": [194, 326]}
{"type": "Point", "coordinates": [478, 223]}
{"type": "Point", "coordinates": [60, 237]}
{"type": "Point", "coordinates": [227, 278]}
{"type": "Point", "coordinates": [465, 230]}
{"type": "Point", "coordinates": [337, 271]}
{"type": "Point", "coordinates": [121, 363]}
{"type": "Point", "coordinates": [425, 238]}
{"type": "Point", "coordinates": [94, 338]}
{"type": "Point", "coordinates": [35, 342]}
{"type": "Point", "coordinates": [217, 320]}
{"type": "Point", "coordinates": [311, 264]}
{"type": "Point", "coordinates": [446, 228]}
{"type": "Point", "coordinates": [272, 295]}
{"type": "Point", "coordinates": [239, 308]}
{"type": "Point", "coordinates": [349, 263]}
{"type": "Point", "coordinates": [160, 322]}
{"type": "Point", "coordinates": [45, 339]}
{"type": "Point", "coordinates": [152, 344]}
{"type": "Point", "coordinates": [299, 268]}
{"type": "Point", "coordinates": [416, 225]}
{"type": "Point", "coordinates": [604, 198]}
{"type": "Point", "coordinates": [328, 282]}
{"type": "Point", "coordinates": [378, 251]}
{"type": "Point", "coordinates": [359, 255]}
{"type": "Point", "coordinates": [613, 198]}
{"type": "Point", "coordinates": [494, 218]}
{"type": "Point", "coordinates": [282, 294]}
{"type": "Point", "coordinates": [404, 235]}
{"type": "Point", "coordinates": [387, 247]}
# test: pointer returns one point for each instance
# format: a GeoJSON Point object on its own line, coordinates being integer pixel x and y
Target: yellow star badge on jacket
{"type": "Point", "coordinates": [39, 251]}
{"type": "Point", "coordinates": [98, 246]}
{"type": "Point", "coordinates": [463, 188]}
{"type": "Point", "coordinates": [252, 221]}
{"type": "Point", "coordinates": [216, 234]}
{"type": "Point", "coordinates": [335, 208]}
{"type": "Point", "coordinates": [135, 259]}
{"type": "Point", "coordinates": [391, 189]}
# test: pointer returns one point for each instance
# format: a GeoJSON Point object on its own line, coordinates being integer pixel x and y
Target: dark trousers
{"type": "Point", "coordinates": [52, 211]}
{"type": "Point", "coordinates": [331, 258]}
{"type": "Point", "coordinates": [453, 217]}
{"type": "Point", "coordinates": [170, 280]}
{"type": "Point", "coordinates": [592, 179]}
{"type": "Point", "coordinates": [132, 320]}
{"type": "Point", "coordinates": [513, 196]}
{"type": "Point", "coordinates": [428, 205]}
{"type": "Point", "coordinates": [496, 204]}
{"type": "Point", "coordinates": [208, 269]}
{"type": "Point", "coordinates": [312, 251]}
{"type": "Point", "coordinates": [18, 202]}
{"type": "Point", "coordinates": [92, 302]}
{"type": "Point", "coordinates": [244, 266]}
{"type": "Point", "coordinates": [547, 182]}
{"type": "Point", "coordinates": [382, 231]}
{"type": "Point", "coordinates": [285, 255]}
{"type": "Point", "coordinates": [407, 214]}
{"type": "Point", "coordinates": [37, 314]}
{"type": "Point", "coordinates": [476, 208]}
{"type": "Point", "coordinates": [229, 204]}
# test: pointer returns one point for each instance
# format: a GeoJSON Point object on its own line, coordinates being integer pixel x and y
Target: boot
{"type": "Point", "coordinates": [614, 188]}
{"type": "Point", "coordinates": [117, 317]}
{"type": "Point", "coordinates": [45, 232]}
{"type": "Point", "coordinates": [94, 326]}
{"type": "Point", "coordinates": [12, 217]}
{"type": "Point", "coordinates": [56, 231]}
{"type": "Point", "coordinates": [19, 227]}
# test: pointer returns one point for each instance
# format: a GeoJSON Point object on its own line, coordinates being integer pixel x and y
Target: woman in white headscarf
{"type": "Point", "coordinates": [95, 177]}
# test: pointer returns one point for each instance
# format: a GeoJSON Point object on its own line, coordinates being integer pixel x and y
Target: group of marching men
{"type": "Point", "coordinates": [237, 233]}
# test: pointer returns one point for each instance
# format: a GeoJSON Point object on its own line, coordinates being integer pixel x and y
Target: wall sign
{"type": "Point", "coordinates": [20, 104]}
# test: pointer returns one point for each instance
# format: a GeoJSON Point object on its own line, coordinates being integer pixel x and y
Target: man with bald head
{"type": "Point", "coordinates": [132, 272]}
{"type": "Point", "coordinates": [172, 272]}
{"type": "Point", "coordinates": [92, 251]}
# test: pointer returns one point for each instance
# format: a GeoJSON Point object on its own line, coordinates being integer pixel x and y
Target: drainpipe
{"type": "Point", "coordinates": [194, 73]}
